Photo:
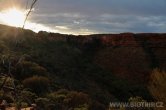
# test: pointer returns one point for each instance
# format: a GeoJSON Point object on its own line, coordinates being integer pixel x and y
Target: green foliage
{"type": "Point", "coordinates": [63, 99]}
{"type": "Point", "coordinates": [28, 97]}
{"type": "Point", "coordinates": [94, 105]}
{"type": "Point", "coordinates": [75, 99]}
{"type": "Point", "coordinates": [28, 69]}
{"type": "Point", "coordinates": [8, 97]}
{"type": "Point", "coordinates": [24, 104]}
{"type": "Point", "coordinates": [42, 103]}
{"type": "Point", "coordinates": [38, 84]}
{"type": "Point", "coordinates": [83, 107]}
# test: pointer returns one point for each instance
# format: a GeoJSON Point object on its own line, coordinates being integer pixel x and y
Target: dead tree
{"type": "Point", "coordinates": [29, 11]}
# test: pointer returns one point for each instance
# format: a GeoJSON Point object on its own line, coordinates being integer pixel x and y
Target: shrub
{"type": "Point", "coordinates": [42, 103]}
{"type": "Point", "coordinates": [75, 99]}
{"type": "Point", "coordinates": [63, 99]}
{"type": "Point", "coordinates": [39, 84]}
{"type": "Point", "coordinates": [157, 85]}
{"type": "Point", "coordinates": [8, 97]}
{"type": "Point", "coordinates": [28, 96]}
{"type": "Point", "coordinates": [28, 69]}
{"type": "Point", "coordinates": [94, 105]}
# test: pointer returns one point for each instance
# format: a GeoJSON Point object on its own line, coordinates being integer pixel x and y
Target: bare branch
{"type": "Point", "coordinates": [30, 10]}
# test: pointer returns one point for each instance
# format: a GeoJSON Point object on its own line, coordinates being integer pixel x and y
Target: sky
{"type": "Point", "coordinates": [95, 16]}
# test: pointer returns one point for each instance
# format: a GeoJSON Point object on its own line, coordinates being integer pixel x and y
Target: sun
{"type": "Point", "coordinates": [13, 17]}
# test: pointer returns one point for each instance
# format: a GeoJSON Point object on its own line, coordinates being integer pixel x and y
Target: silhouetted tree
{"type": "Point", "coordinates": [30, 10]}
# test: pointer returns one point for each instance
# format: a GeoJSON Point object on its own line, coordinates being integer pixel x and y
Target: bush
{"type": "Point", "coordinates": [38, 84]}
{"type": "Point", "coordinates": [157, 85]}
{"type": "Point", "coordinates": [42, 103]}
{"type": "Point", "coordinates": [94, 105]}
{"type": "Point", "coordinates": [45, 104]}
{"type": "Point", "coordinates": [57, 98]}
{"type": "Point", "coordinates": [75, 99]}
{"type": "Point", "coordinates": [28, 69]}
{"type": "Point", "coordinates": [8, 97]}
{"type": "Point", "coordinates": [28, 96]}
{"type": "Point", "coordinates": [63, 99]}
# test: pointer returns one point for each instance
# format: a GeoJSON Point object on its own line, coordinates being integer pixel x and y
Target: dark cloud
{"type": "Point", "coordinates": [101, 16]}
{"type": "Point", "coordinates": [90, 7]}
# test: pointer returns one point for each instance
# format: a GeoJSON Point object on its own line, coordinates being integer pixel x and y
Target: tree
{"type": "Point", "coordinates": [30, 10]}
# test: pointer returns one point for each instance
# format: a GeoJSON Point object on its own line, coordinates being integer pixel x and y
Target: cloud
{"type": "Point", "coordinates": [96, 7]}
{"type": "Point", "coordinates": [100, 16]}
{"type": "Point", "coordinates": [106, 23]}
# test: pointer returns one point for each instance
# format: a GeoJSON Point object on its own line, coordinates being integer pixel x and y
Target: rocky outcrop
{"type": "Point", "coordinates": [128, 55]}
{"type": "Point", "coordinates": [132, 56]}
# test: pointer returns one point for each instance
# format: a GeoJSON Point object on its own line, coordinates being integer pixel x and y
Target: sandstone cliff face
{"type": "Point", "coordinates": [132, 56]}
{"type": "Point", "coordinates": [128, 55]}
